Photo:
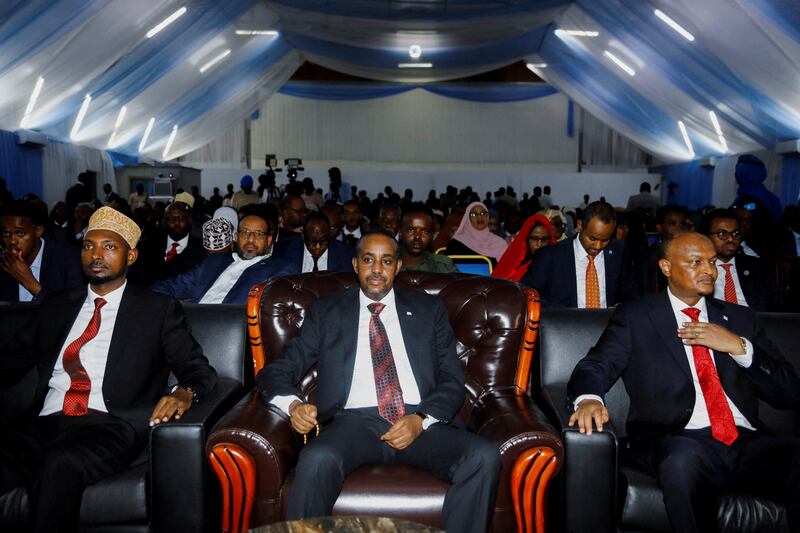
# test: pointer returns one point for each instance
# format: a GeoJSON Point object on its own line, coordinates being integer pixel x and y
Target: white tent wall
{"type": "Point", "coordinates": [62, 162]}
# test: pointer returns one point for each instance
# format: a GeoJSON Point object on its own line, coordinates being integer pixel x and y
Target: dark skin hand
{"type": "Point", "coordinates": [587, 411]}
{"type": "Point", "coordinates": [400, 435]}
{"type": "Point", "coordinates": [171, 406]}
{"type": "Point", "coordinates": [15, 266]}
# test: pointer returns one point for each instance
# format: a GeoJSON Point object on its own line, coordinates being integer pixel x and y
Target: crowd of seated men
{"type": "Point", "coordinates": [213, 251]}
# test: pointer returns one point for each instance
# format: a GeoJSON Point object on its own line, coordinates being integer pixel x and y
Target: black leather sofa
{"type": "Point", "coordinates": [599, 491]}
{"type": "Point", "coordinates": [169, 487]}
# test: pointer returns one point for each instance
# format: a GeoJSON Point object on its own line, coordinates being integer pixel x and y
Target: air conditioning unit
{"type": "Point", "coordinates": [788, 147]}
{"type": "Point", "coordinates": [31, 138]}
{"type": "Point", "coordinates": [708, 162]}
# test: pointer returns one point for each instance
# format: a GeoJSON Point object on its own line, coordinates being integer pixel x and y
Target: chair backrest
{"type": "Point", "coordinates": [220, 330]}
{"type": "Point", "coordinates": [567, 334]}
{"type": "Point", "coordinates": [494, 322]}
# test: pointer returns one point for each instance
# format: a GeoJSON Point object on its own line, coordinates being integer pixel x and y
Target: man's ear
{"type": "Point", "coordinates": [665, 267]}
{"type": "Point", "coordinates": [132, 256]}
{"type": "Point", "coordinates": [398, 265]}
{"type": "Point", "coordinates": [580, 226]}
{"type": "Point", "coordinates": [355, 264]}
{"type": "Point", "coordinates": [38, 231]}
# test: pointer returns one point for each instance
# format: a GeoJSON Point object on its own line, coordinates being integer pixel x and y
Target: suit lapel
{"type": "Point", "coordinates": [726, 367]}
{"type": "Point", "coordinates": [349, 308]}
{"type": "Point", "coordinates": [408, 327]}
{"type": "Point", "coordinates": [72, 307]}
{"type": "Point", "coordinates": [664, 323]}
{"type": "Point", "coordinates": [611, 260]}
{"type": "Point", "coordinates": [571, 272]}
{"type": "Point", "coordinates": [121, 336]}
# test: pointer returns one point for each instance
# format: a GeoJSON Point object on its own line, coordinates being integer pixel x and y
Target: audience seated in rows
{"type": "Point", "coordinates": [316, 251]}
{"type": "Point", "coordinates": [535, 233]}
{"type": "Point", "coordinates": [473, 236]}
{"type": "Point", "coordinates": [416, 233]}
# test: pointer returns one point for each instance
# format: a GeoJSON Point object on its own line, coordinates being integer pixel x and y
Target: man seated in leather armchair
{"type": "Point", "coordinates": [389, 389]}
{"type": "Point", "coordinates": [694, 368]}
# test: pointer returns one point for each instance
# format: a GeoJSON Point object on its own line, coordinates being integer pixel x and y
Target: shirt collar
{"type": "Point", "coordinates": [181, 243]}
{"type": "Point", "coordinates": [387, 300]}
{"type": "Point", "coordinates": [113, 298]}
{"type": "Point", "coordinates": [679, 305]}
{"type": "Point", "coordinates": [306, 253]}
{"type": "Point", "coordinates": [580, 251]}
{"type": "Point", "coordinates": [237, 259]}
{"type": "Point", "coordinates": [731, 262]}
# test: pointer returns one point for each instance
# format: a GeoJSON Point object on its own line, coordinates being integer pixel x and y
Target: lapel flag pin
{"type": "Point", "coordinates": [724, 317]}
{"type": "Point", "coordinates": [408, 313]}
{"type": "Point", "coordinates": [746, 272]}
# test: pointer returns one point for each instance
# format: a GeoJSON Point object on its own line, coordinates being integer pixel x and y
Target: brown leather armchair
{"type": "Point", "coordinates": [253, 448]}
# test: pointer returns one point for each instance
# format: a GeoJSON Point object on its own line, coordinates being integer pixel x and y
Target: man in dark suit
{"type": "Point", "coordinates": [389, 390]}
{"type": "Point", "coordinates": [693, 419]}
{"type": "Point", "coordinates": [228, 278]}
{"type": "Point", "coordinates": [293, 215]}
{"type": "Point", "coordinates": [31, 266]}
{"type": "Point", "coordinates": [79, 193]}
{"type": "Point", "coordinates": [102, 355]}
{"type": "Point", "coordinates": [591, 271]}
{"type": "Point", "coordinates": [171, 251]}
{"type": "Point", "coordinates": [316, 251]}
{"type": "Point", "coordinates": [741, 279]}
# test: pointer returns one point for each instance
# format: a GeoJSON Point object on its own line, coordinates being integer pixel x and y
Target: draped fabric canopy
{"type": "Point", "coordinates": [93, 72]}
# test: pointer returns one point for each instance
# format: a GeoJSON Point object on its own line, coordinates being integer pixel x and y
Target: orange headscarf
{"type": "Point", "coordinates": [515, 262]}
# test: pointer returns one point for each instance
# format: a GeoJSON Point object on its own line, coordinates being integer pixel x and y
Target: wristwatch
{"type": "Point", "coordinates": [420, 414]}
{"type": "Point", "coordinates": [186, 388]}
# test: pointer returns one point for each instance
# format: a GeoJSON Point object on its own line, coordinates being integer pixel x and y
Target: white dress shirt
{"type": "Point", "coordinates": [362, 386]}
{"type": "Point", "coordinates": [719, 285]}
{"type": "Point", "coordinates": [36, 270]}
{"type": "Point", "coordinates": [355, 233]}
{"type": "Point", "coordinates": [699, 418]}
{"type": "Point", "coordinates": [308, 261]}
{"type": "Point", "coordinates": [796, 242]}
{"type": "Point", "coordinates": [225, 282]}
{"type": "Point", "coordinates": [182, 244]}
{"type": "Point", "coordinates": [746, 250]}
{"type": "Point", "coordinates": [581, 262]}
{"type": "Point", "coordinates": [93, 354]}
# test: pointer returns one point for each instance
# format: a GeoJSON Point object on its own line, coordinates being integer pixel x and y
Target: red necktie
{"type": "Point", "coordinates": [387, 384]}
{"type": "Point", "coordinates": [592, 285]}
{"type": "Point", "coordinates": [172, 252]}
{"type": "Point", "coordinates": [730, 288]}
{"type": "Point", "coordinates": [76, 399]}
{"type": "Point", "coordinates": [723, 427]}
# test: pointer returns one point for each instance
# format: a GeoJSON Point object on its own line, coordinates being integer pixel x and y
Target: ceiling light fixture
{"type": "Point", "coordinates": [722, 141]}
{"type": "Point", "coordinates": [117, 124]}
{"type": "Point", "coordinates": [81, 114]}
{"type": "Point", "coordinates": [273, 33]}
{"type": "Point", "coordinates": [216, 60]}
{"type": "Point", "coordinates": [37, 89]}
{"type": "Point", "coordinates": [617, 61]}
{"type": "Point", "coordinates": [146, 135]}
{"type": "Point", "coordinates": [415, 65]}
{"type": "Point", "coordinates": [674, 25]}
{"type": "Point", "coordinates": [415, 51]}
{"type": "Point", "coordinates": [532, 66]}
{"type": "Point", "coordinates": [166, 22]}
{"type": "Point", "coordinates": [171, 139]}
{"type": "Point", "coordinates": [686, 139]}
{"type": "Point", "coordinates": [577, 33]}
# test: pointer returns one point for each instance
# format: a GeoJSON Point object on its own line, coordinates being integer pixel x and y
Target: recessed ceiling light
{"type": "Point", "coordinates": [674, 25]}
{"type": "Point", "coordinates": [621, 64]}
{"type": "Point", "coordinates": [686, 139]}
{"type": "Point", "coordinates": [166, 22]}
{"type": "Point", "coordinates": [415, 51]}
{"type": "Point", "coordinates": [215, 60]}
{"type": "Point", "coordinates": [257, 32]}
{"type": "Point", "coordinates": [81, 114]}
{"type": "Point", "coordinates": [415, 65]}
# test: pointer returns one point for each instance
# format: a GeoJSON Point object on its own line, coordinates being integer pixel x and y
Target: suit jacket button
{"type": "Point", "coordinates": [689, 410]}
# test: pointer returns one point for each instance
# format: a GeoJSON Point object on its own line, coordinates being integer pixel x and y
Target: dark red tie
{"type": "Point", "coordinates": [730, 288]}
{"type": "Point", "coordinates": [316, 264]}
{"type": "Point", "coordinates": [723, 427]}
{"type": "Point", "coordinates": [76, 400]}
{"type": "Point", "coordinates": [387, 384]}
{"type": "Point", "coordinates": [172, 252]}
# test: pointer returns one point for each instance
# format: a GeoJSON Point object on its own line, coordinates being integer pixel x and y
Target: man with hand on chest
{"type": "Point", "coordinates": [389, 390]}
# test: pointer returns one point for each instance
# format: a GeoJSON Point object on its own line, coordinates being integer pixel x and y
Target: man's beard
{"type": "Point", "coordinates": [248, 255]}
{"type": "Point", "coordinates": [100, 280]}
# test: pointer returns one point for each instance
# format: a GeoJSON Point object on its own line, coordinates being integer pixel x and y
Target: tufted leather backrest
{"type": "Point", "coordinates": [488, 316]}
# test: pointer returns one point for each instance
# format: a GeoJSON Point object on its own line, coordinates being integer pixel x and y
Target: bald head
{"type": "Point", "coordinates": [688, 262]}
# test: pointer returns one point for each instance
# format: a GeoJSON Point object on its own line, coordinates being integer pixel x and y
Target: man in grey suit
{"type": "Point", "coordinates": [389, 390]}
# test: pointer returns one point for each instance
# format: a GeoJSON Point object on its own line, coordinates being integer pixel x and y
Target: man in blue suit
{"type": "Point", "coordinates": [227, 278]}
{"type": "Point", "coordinates": [29, 266]}
{"type": "Point", "coordinates": [591, 271]}
{"type": "Point", "coordinates": [316, 251]}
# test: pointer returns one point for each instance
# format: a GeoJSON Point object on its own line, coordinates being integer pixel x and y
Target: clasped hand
{"type": "Point", "coordinates": [712, 336]}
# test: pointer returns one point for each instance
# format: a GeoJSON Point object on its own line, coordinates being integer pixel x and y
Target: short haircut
{"type": "Point", "coordinates": [20, 208]}
{"type": "Point", "coordinates": [351, 202]}
{"type": "Point", "coordinates": [379, 231]}
{"type": "Point", "coordinates": [417, 208]}
{"type": "Point", "coordinates": [601, 210]}
{"type": "Point", "coordinates": [644, 187]}
{"type": "Point", "coordinates": [316, 215]}
{"type": "Point", "coordinates": [286, 201]}
{"type": "Point", "coordinates": [708, 219]}
{"type": "Point", "coordinates": [662, 212]}
{"type": "Point", "coordinates": [385, 207]}
{"type": "Point", "coordinates": [267, 212]}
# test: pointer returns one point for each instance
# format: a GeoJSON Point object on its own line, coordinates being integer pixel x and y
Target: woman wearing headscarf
{"type": "Point", "coordinates": [446, 232]}
{"type": "Point", "coordinates": [558, 221]}
{"type": "Point", "coordinates": [535, 233]}
{"type": "Point", "coordinates": [473, 236]}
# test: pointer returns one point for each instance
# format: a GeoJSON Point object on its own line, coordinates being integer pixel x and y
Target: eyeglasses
{"type": "Point", "coordinates": [724, 235]}
{"type": "Point", "coordinates": [246, 234]}
{"type": "Point", "coordinates": [173, 220]}
{"type": "Point", "coordinates": [474, 214]}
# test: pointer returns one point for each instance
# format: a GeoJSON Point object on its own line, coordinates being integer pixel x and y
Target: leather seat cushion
{"type": "Point", "coordinates": [644, 509]}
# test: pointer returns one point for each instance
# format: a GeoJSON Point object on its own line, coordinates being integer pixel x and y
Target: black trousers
{"type": "Point", "coordinates": [56, 456]}
{"type": "Point", "coordinates": [693, 469]}
{"type": "Point", "coordinates": [470, 463]}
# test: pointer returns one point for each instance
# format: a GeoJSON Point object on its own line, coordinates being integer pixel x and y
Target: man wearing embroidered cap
{"type": "Point", "coordinates": [103, 353]}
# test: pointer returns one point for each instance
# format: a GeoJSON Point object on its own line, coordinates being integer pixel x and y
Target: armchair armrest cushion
{"type": "Point", "coordinates": [589, 479]}
{"type": "Point", "coordinates": [266, 434]}
{"type": "Point", "coordinates": [182, 487]}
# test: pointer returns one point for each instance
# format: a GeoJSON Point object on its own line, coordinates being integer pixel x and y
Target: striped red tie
{"type": "Point", "coordinates": [730, 288]}
{"type": "Point", "coordinates": [723, 428]}
{"type": "Point", "coordinates": [171, 253]}
{"type": "Point", "coordinates": [387, 384]}
{"type": "Point", "coordinates": [76, 400]}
